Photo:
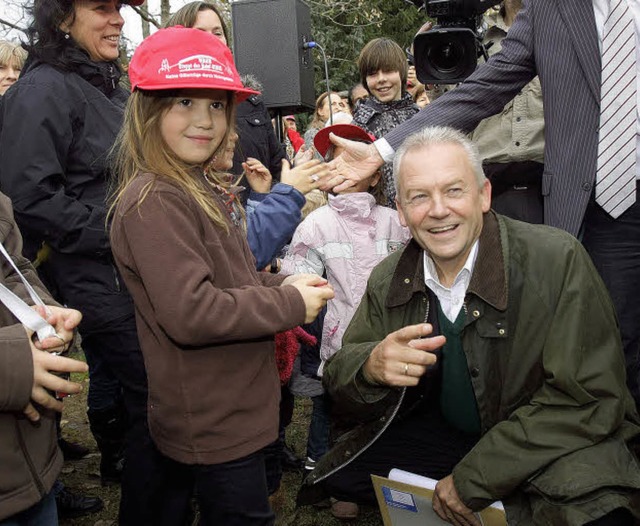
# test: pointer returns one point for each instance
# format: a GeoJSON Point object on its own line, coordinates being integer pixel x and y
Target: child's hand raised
{"type": "Point", "coordinates": [315, 291]}
{"type": "Point", "coordinates": [258, 175]}
{"type": "Point", "coordinates": [303, 155]}
{"type": "Point", "coordinates": [305, 176]}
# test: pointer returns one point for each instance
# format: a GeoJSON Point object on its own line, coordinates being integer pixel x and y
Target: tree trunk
{"type": "Point", "coordinates": [165, 11]}
{"type": "Point", "coordinates": [146, 27]}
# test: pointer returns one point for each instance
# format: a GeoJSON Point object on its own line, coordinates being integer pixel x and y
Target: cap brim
{"type": "Point", "coordinates": [242, 94]}
{"type": "Point", "coordinates": [133, 2]}
{"type": "Point", "coordinates": [347, 131]}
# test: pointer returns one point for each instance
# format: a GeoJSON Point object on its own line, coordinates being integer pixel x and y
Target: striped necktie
{"type": "Point", "coordinates": [616, 169]}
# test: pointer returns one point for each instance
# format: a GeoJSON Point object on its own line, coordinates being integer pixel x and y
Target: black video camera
{"type": "Point", "coordinates": [448, 53]}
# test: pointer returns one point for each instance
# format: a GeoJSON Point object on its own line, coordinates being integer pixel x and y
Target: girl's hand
{"type": "Point", "coordinates": [306, 176]}
{"type": "Point", "coordinates": [303, 155]}
{"type": "Point", "coordinates": [258, 175]}
{"type": "Point", "coordinates": [315, 292]}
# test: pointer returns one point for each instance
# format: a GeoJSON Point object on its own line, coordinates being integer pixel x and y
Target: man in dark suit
{"type": "Point", "coordinates": [561, 42]}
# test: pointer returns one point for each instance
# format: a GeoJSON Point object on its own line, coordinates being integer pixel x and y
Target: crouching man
{"type": "Point", "coordinates": [487, 355]}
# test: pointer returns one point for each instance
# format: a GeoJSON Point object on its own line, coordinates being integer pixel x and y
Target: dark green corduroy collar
{"type": "Point", "coordinates": [488, 281]}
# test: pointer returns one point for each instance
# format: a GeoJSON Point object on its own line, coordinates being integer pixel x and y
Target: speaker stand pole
{"type": "Point", "coordinates": [278, 117]}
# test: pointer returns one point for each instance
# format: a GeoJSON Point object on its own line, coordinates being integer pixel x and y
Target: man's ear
{"type": "Point", "coordinates": [485, 195]}
{"type": "Point", "coordinates": [401, 217]}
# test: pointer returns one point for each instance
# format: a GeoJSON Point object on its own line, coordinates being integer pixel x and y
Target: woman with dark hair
{"type": "Point", "coordinates": [59, 124]}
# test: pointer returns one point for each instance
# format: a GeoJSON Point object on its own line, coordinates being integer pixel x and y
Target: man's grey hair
{"type": "Point", "coordinates": [438, 135]}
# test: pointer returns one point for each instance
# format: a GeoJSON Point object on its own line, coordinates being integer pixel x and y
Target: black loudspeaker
{"type": "Point", "coordinates": [268, 40]}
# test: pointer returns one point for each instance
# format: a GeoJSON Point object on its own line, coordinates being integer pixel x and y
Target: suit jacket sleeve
{"type": "Point", "coordinates": [486, 91]}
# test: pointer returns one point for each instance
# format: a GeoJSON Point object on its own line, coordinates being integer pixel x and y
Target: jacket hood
{"type": "Point", "coordinates": [358, 204]}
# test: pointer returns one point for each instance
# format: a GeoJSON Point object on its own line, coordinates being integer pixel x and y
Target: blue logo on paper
{"type": "Point", "coordinates": [399, 499]}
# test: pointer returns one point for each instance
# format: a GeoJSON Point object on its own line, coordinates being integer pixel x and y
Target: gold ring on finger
{"type": "Point", "coordinates": [406, 369]}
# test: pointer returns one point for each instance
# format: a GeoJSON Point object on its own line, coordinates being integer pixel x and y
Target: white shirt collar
{"type": "Point", "coordinates": [451, 299]}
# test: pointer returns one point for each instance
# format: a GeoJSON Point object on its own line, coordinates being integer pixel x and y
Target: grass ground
{"type": "Point", "coordinates": [83, 475]}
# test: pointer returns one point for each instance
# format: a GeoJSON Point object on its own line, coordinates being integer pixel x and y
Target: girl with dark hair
{"type": "Point", "coordinates": [59, 123]}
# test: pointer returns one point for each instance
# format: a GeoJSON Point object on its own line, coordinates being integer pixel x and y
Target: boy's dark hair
{"type": "Point", "coordinates": [382, 54]}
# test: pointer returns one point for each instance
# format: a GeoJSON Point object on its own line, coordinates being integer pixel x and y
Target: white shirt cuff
{"type": "Point", "coordinates": [384, 149]}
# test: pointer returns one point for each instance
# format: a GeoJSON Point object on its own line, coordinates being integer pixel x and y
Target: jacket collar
{"type": "Point", "coordinates": [489, 278]}
{"type": "Point", "coordinates": [372, 106]}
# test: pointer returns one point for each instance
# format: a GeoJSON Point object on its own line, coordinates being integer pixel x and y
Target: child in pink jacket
{"type": "Point", "coordinates": [344, 240]}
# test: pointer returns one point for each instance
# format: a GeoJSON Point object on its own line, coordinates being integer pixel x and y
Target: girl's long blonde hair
{"type": "Point", "coordinates": [140, 148]}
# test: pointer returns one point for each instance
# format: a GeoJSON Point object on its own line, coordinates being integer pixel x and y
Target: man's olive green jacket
{"type": "Point", "coordinates": [547, 369]}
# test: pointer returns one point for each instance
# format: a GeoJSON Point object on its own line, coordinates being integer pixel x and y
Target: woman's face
{"type": "Point", "coordinates": [9, 73]}
{"type": "Point", "coordinates": [207, 20]}
{"type": "Point", "coordinates": [337, 105]}
{"type": "Point", "coordinates": [96, 26]}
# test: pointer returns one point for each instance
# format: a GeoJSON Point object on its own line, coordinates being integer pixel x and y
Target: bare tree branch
{"type": "Point", "coordinates": [146, 16]}
{"type": "Point", "coordinates": [12, 25]}
{"type": "Point", "coordinates": [146, 27]}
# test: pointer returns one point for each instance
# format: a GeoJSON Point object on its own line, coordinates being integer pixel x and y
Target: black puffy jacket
{"type": "Point", "coordinates": [257, 139]}
{"type": "Point", "coordinates": [57, 128]}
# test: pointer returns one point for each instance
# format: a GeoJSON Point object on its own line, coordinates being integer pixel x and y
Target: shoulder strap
{"type": "Point", "coordinates": [27, 316]}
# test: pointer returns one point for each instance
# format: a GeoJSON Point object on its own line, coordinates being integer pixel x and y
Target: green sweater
{"type": "Point", "coordinates": [457, 400]}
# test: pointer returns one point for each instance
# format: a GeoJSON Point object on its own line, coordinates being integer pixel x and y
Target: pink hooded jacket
{"type": "Point", "coordinates": [344, 240]}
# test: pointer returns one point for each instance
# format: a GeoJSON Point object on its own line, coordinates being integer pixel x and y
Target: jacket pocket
{"type": "Point", "coordinates": [257, 119]}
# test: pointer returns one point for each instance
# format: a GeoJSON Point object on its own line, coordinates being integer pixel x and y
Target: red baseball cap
{"type": "Point", "coordinates": [347, 131]}
{"type": "Point", "coordinates": [181, 58]}
{"type": "Point", "coordinates": [133, 2]}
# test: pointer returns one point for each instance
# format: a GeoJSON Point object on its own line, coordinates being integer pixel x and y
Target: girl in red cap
{"type": "Point", "coordinates": [206, 317]}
